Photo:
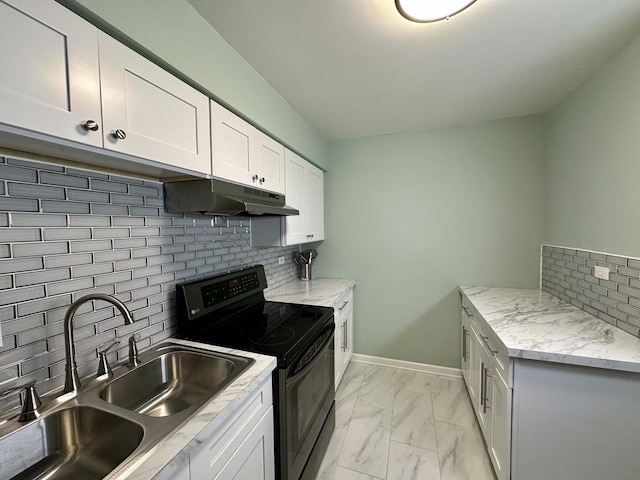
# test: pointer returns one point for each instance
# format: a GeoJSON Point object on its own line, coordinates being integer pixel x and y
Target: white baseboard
{"type": "Point", "coordinates": [419, 367]}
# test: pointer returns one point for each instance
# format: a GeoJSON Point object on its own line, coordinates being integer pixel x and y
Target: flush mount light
{"type": "Point", "coordinates": [427, 11]}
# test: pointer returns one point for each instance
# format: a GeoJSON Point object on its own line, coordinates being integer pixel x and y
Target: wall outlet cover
{"type": "Point", "coordinates": [601, 272]}
{"type": "Point", "coordinates": [281, 260]}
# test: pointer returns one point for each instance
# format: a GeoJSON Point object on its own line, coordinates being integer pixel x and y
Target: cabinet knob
{"type": "Point", "coordinates": [119, 134]}
{"type": "Point", "coordinates": [90, 126]}
{"type": "Point", "coordinates": [254, 178]}
{"type": "Point", "coordinates": [262, 180]}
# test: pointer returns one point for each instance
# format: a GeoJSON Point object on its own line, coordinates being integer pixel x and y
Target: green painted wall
{"type": "Point", "coordinates": [175, 32]}
{"type": "Point", "coordinates": [411, 216]}
{"type": "Point", "coordinates": [593, 161]}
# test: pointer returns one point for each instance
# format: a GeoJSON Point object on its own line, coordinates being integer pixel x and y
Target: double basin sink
{"type": "Point", "coordinates": [110, 424]}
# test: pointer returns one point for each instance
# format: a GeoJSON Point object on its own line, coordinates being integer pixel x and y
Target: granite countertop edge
{"type": "Point", "coordinates": [536, 325]}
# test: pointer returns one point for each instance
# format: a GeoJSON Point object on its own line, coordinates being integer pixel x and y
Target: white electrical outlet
{"type": "Point", "coordinates": [281, 261]}
{"type": "Point", "coordinates": [601, 272]}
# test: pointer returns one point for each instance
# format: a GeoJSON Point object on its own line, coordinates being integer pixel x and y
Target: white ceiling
{"type": "Point", "coordinates": [356, 68]}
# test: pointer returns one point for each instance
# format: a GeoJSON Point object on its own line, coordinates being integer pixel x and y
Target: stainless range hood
{"type": "Point", "coordinates": [217, 197]}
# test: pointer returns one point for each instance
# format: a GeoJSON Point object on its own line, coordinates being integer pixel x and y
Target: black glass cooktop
{"type": "Point", "coordinates": [270, 328]}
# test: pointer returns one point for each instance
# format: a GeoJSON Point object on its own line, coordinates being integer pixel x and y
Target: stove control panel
{"type": "Point", "coordinates": [216, 293]}
{"type": "Point", "coordinates": [197, 299]}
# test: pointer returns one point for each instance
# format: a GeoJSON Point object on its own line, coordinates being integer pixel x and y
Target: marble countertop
{"type": "Point", "coordinates": [324, 292]}
{"type": "Point", "coordinates": [172, 454]}
{"type": "Point", "coordinates": [536, 325]}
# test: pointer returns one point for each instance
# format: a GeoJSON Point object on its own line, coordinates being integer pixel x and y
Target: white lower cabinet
{"type": "Point", "coordinates": [489, 392]}
{"type": "Point", "coordinates": [243, 447]}
{"type": "Point", "coordinates": [547, 420]}
{"type": "Point", "coordinates": [343, 338]}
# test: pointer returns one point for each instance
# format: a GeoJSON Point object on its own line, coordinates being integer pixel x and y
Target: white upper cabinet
{"type": "Point", "coordinates": [304, 191]}
{"type": "Point", "coordinates": [314, 203]}
{"type": "Point", "coordinates": [231, 139]}
{"type": "Point", "coordinates": [243, 154]}
{"type": "Point", "coordinates": [50, 81]}
{"type": "Point", "coordinates": [269, 162]}
{"type": "Point", "coordinates": [147, 112]}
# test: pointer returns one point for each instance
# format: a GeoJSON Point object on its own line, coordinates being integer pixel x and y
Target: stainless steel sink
{"type": "Point", "coordinates": [78, 442]}
{"type": "Point", "coordinates": [176, 379]}
{"type": "Point", "coordinates": [105, 429]}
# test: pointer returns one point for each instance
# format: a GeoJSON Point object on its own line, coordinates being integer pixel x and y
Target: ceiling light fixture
{"type": "Point", "coordinates": [427, 11]}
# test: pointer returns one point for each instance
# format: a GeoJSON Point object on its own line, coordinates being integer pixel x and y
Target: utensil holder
{"type": "Point", "coordinates": [305, 272]}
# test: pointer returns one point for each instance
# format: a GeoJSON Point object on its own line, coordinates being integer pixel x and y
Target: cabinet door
{"type": "Point", "coordinates": [499, 441]}
{"type": "Point", "coordinates": [314, 203]}
{"type": "Point", "coordinates": [347, 336]}
{"type": "Point", "coordinates": [465, 361]}
{"type": "Point", "coordinates": [267, 158]}
{"type": "Point", "coordinates": [338, 352]}
{"type": "Point", "coordinates": [485, 409]}
{"type": "Point", "coordinates": [295, 192]}
{"type": "Point", "coordinates": [473, 385]}
{"type": "Point", "coordinates": [163, 118]}
{"type": "Point", "coordinates": [255, 459]}
{"type": "Point", "coordinates": [51, 77]}
{"type": "Point", "coordinates": [231, 146]}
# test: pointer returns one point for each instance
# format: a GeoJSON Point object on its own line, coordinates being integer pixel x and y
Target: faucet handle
{"type": "Point", "coordinates": [103, 363]}
{"type": "Point", "coordinates": [133, 349]}
{"type": "Point", "coordinates": [31, 401]}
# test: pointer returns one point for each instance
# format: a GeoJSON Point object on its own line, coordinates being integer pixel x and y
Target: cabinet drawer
{"type": "Point", "coordinates": [495, 348]}
{"type": "Point", "coordinates": [490, 341]}
{"type": "Point", "coordinates": [340, 305]}
{"type": "Point", "coordinates": [222, 442]}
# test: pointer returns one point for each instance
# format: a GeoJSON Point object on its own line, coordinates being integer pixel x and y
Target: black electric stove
{"type": "Point", "coordinates": [230, 310]}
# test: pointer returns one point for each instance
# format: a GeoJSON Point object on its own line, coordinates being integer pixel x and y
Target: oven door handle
{"type": "Point", "coordinates": [311, 364]}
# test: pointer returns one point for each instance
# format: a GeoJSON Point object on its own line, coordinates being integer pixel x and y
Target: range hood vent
{"type": "Point", "coordinates": [217, 197]}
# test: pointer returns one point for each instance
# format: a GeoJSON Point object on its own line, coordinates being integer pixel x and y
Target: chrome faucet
{"type": "Point", "coordinates": [72, 380]}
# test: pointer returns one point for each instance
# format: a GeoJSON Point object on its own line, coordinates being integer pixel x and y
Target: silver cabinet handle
{"type": "Point", "coordinates": [119, 134]}
{"type": "Point", "coordinates": [254, 178]}
{"type": "Point", "coordinates": [262, 180]}
{"type": "Point", "coordinates": [469, 314]}
{"type": "Point", "coordinates": [90, 126]}
{"type": "Point", "coordinates": [481, 383]}
{"type": "Point", "coordinates": [343, 305]}
{"type": "Point", "coordinates": [486, 376]}
{"type": "Point", "coordinates": [465, 354]}
{"type": "Point", "coordinates": [485, 340]}
{"type": "Point", "coordinates": [344, 336]}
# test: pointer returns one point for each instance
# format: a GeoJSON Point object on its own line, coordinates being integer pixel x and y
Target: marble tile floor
{"type": "Point", "coordinates": [397, 424]}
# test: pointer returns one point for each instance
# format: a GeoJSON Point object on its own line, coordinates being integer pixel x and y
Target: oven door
{"type": "Point", "coordinates": [309, 393]}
